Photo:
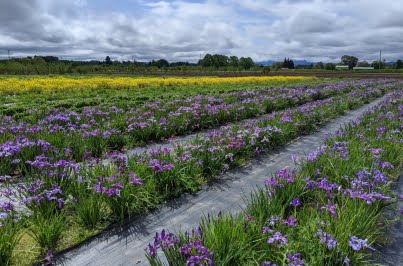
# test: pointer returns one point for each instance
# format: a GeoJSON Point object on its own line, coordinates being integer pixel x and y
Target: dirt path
{"type": "Point", "coordinates": [393, 254]}
{"type": "Point", "coordinates": [125, 246]}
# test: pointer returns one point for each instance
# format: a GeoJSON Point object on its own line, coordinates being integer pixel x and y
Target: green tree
{"type": "Point", "coordinates": [277, 65]}
{"type": "Point", "coordinates": [319, 65]}
{"type": "Point", "coordinates": [49, 59]}
{"type": "Point", "coordinates": [363, 64]}
{"type": "Point", "coordinates": [40, 65]}
{"type": "Point", "coordinates": [288, 63]}
{"type": "Point", "coordinates": [160, 63]}
{"type": "Point", "coordinates": [207, 61]}
{"type": "Point", "coordinates": [349, 60]}
{"type": "Point", "coordinates": [399, 64]}
{"type": "Point", "coordinates": [375, 64]}
{"type": "Point", "coordinates": [330, 66]}
{"type": "Point", "coordinates": [38, 60]}
{"type": "Point", "coordinates": [246, 63]}
{"type": "Point", "coordinates": [234, 61]}
{"type": "Point", "coordinates": [220, 60]}
{"type": "Point", "coordinates": [291, 64]}
{"type": "Point", "coordinates": [108, 60]}
{"type": "Point", "coordinates": [266, 69]}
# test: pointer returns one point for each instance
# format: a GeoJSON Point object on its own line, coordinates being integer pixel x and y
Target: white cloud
{"type": "Point", "coordinates": [181, 30]}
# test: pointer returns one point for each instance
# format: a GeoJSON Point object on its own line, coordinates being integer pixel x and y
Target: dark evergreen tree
{"type": "Point", "coordinates": [108, 60]}
{"type": "Point", "coordinates": [399, 64]}
{"type": "Point", "coordinates": [291, 64]}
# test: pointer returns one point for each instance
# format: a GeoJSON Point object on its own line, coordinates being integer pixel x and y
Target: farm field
{"type": "Point", "coordinates": [66, 173]}
{"type": "Point", "coordinates": [21, 93]}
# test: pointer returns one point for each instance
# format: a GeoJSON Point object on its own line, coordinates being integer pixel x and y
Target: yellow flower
{"type": "Point", "coordinates": [50, 84]}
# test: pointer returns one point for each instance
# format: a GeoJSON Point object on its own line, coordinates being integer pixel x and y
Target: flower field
{"type": "Point", "coordinates": [65, 174]}
{"type": "Point", "coordinates": [21, 94]}
{"type": "Point", "coordinates": [328, 211]}
{"type": "Point", "coordinates": [64, 133]}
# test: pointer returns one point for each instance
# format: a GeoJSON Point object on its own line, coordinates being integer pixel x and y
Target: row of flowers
{"type": "Point", "coordinates": [327, 211]}
{"type": "Point", "coordinates": [71, 135]}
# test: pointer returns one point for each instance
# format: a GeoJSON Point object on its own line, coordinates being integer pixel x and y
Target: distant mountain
{"type": "Point", "coordinates": [266, 63]}
{"type": "Point", "coordinates": [302, 63]}
{"type": "Point", "coordinates": [296, 62]}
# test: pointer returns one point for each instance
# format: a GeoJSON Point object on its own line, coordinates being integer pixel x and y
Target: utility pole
{"type": "Point", "coordinates": [8, 51]}
{"type": "Point", "coordinates": [130, 66]}
{"type": "Point", "coordinates": [380, 59]}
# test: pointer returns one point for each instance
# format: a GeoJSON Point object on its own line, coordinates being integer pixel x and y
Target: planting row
{"type": "Point", "coordinates": [62, 198]}
{"type": "Point", "coordinates": [328, 211]}
{"type": "Point", "coordinates": [69, 135]}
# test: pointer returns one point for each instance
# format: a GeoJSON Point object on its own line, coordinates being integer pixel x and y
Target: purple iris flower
{"type": "Point", "coordinates": [357, 243]}
{"type": "Point", "coordinates": [296, 202]}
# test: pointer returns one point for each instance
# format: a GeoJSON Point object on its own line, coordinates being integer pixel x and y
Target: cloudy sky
{"type": "Point", "coordinates": [316, 30]}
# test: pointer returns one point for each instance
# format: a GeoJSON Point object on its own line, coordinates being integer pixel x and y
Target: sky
{"type": "Point", "coordinates": [314, 30]}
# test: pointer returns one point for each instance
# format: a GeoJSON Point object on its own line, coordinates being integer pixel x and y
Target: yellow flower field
{"type": "Point", "coordinates": [21, 85]}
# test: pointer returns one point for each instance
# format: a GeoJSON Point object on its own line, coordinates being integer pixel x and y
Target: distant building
{"type": "Point", "coordinates": [363, 68]}
{"type": "Point", "coordinates": [341, 67]}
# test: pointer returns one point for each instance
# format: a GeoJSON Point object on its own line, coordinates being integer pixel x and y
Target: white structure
{"type": "Point", "coordinates": [363, 68]}
{"type": "Point", "coordinates": [341, 67]}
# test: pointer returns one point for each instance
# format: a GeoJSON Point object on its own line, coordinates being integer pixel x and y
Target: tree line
{"type": "Point", "coordinates": [210, 62]}
{"type": "Point", "coordinates": [352, 61]}
{"type": "Point", "coordinates": [218, 60]}
{"type": "Point", "coordinates": [54, 65]}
